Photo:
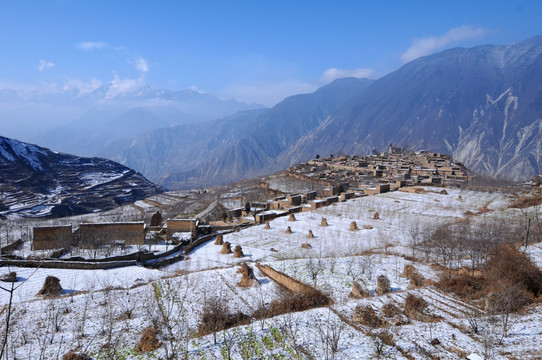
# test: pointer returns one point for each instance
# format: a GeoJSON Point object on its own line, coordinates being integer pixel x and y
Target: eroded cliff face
{"type": "Point", "coordinates": [498, 142]}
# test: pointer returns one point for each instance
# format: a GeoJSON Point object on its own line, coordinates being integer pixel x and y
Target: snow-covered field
{"type": "Point", "coordinates": [103, 313]}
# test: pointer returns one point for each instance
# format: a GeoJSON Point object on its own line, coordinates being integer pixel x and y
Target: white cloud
{"type": "Point", "coordinates": [43, 65]}
{"type": "Point", "coordinates": [83, 87]}
{"type": "Point", "coordinates": [267, 94]}
{"type": "Point", "coordinates": [120, 86]}
{"type": "Point", "coordinates": [333, 73]}
{"type": "Point", "coordinates": [91, 45]}
{"type": "Point", "coordinates": [141, 64]}
{"type": "Point", "coordinates": [425, 46]}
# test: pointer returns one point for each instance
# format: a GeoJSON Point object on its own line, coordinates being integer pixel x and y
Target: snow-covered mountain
{"type": "Point", "coordinates": [483, 105]}
{"type": "Point", "coordinates": [36, 182]}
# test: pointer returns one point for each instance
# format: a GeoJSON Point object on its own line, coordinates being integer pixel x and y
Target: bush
{"type": "Point", "coordinates": [216, 317]}
{"type": "Point", "coordinates": [510, 266]}
{"type": "Point", "coordinates": [464, 285]}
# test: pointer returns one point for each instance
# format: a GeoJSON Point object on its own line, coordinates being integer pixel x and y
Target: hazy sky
{"type": "Point", "coordinates": [254, 51]}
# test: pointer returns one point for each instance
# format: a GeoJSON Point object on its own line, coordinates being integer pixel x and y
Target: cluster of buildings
{"type": "Point", "coordinates": [343, 177]}
{"type": "Point", "coordinates": [95, 235]}
{"type": "Point", "coordinates": [396, 167]}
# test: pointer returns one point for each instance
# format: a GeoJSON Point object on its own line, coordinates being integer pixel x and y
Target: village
{"type": "Point", "coordinates": [343, 245]}
{"type": "Point", "coordinates": [334, 179]}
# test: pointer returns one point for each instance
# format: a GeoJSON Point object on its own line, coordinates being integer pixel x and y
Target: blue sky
{"type": "Point", "coordinates": [254, 51]}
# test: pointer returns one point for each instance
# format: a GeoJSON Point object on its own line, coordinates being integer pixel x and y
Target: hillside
{"type": "Point", "coordinates": [104, 313]}
{"type": "Point", "coordinates": [36, 182]}
{"type": "Point", "coordinates": [229, 149]}
{"type": "Point", "coordinates": [481, 105]}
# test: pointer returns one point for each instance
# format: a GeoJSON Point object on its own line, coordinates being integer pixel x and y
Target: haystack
{"type": "Point", "coordinates": [248, 279]}
{"type": "Point", "coordinates": [226, 248]}
{"type": "Point", "coordinates": [367, 227]}
{"type": "Point", "coordinates": [288, 230]}
{"type": "Point", "coordinates": [310, 235]}
{"type": "Point", "coordinates": [353, 226]}
{"type": "Point", "coordinates": [376, 216]}
{"type": "Point", "coordinates": [219, 239]}
{"type": "Point", "coordinates": [51, 287]}
{"type": "Point", "coordinates": [267, 226]}
{"type": "Point", "coordinates": [238, 252]}
{"type": "Point", "coordinates": [382, 285]}
{"type": "Point", "coordinates": [72, 355]}
{"type": "Point", "coordinates": [324, 222]}
{"type": "Point", "coordinates": [9, 277]}
{"type": "Point", "coordinates": [156, 219]}
{"type": "Point", "coordinates": [306, 246]}
{"type": "Point", "coordinates": [359, 291]}
{"type": "Point", "coordinates": [291, 217]}
{"type": "Point", "coordinates": [366, 315]}
{"type": "Point", "coordinates": [148, 341]}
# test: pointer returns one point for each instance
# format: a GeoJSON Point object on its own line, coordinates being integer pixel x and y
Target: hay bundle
{"type": "Point", "coordinates": [51, 287]}
{"type": "Point", "coordinates": [148, 341]}
{"type": "Point", "coordinates": [72, 355]}
{"type": "Point", "coordinates": [353, 226]}
{"type": "Point", "coordinates": [219, 239]}
{"type": "Point", "coordinates": [267, 226]}
{"type": "Point", "coordinates": [359, 291]}
{"type": "Point", "coordinates": [416, 308]}
{"type": "Point", "coordinates": [382, 285]}
{"type": "Point", "coordinates": [366, 315]}
{"type": "Point", "coordinates": [306, 246]}
{"type": "Point", "coordinates": [367, 227]}
{"type": "Point", "coordinates": [376, 216]}
{"type": "Point", "coordinates": [226, 248]}
{"type": "Point", "coordinates": [9, 277]}
{"type": "Point", "coordinates": [156, 219]}
{"type": "Point", "coordinates": [310, 235]}
{"type": "Point", "coordinates": [238, 252]}
{"type": "Point", "coordinates": [390, 310]}
{"type": "Point", "coordinates": [288, 230]}
{"type": "Point", "coordinates": [247, 276]}
{"type": "Point", "coordinates": [416, 280]}
{"type": "Point", "coordinates": [323, 222]}
{"type": "Point", "coordinates": [291, 217]}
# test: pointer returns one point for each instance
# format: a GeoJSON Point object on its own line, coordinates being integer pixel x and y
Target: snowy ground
{"type": "Point", "coordinates": [114, 306]}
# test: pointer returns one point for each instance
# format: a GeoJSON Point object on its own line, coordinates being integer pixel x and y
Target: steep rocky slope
{"type": "Point", "coordinates": [36, 182]}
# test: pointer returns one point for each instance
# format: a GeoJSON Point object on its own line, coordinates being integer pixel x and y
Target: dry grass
{"type": "Point", "coordinates": [72, 355]}
{"type": "Point", "coordinates": [366, 315]}
{"type": "Point", "coordinates": [148, 341]}
{"type": "Point", "coordinates": [526, 201]}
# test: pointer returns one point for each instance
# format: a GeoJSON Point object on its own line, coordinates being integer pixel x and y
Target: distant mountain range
{"type": "Point", "coordinates": [482, 105]}
{"type": "Point", "coordinates": [36, 182]}
{"type": "Point", "coordinates": [246, 144]}
{"type": "Point", "coordinates": [82, 123]}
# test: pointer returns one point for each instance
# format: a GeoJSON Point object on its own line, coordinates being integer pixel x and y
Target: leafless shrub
{"type": "Point", "coordinates": [330, 331]}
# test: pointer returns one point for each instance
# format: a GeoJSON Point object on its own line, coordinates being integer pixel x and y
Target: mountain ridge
{"type": "Point", "coordinates": [37, 182]}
